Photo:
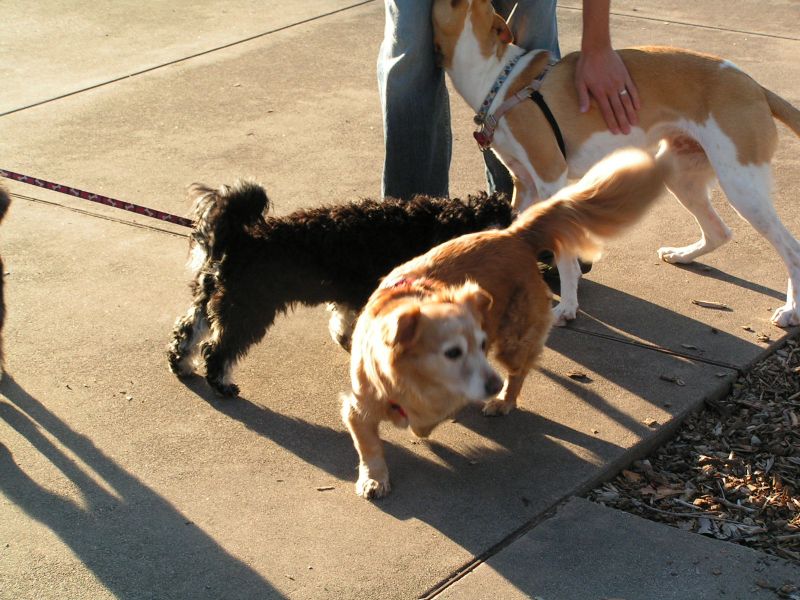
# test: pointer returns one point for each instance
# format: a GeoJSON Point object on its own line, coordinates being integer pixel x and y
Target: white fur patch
{"type": "Point", "coordinates": [197, 257]}
{"type": "Point", "coordinates": [601, 144]}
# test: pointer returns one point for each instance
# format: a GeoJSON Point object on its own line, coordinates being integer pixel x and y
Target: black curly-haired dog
{"type": "Point", "coordinates": [247, 268]}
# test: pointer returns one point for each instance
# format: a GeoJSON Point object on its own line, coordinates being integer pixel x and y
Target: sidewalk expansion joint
{"type": "Point", "coordinates": [187, 58]}
{"type": "Point", "coordinates": [99, 216]}
{"type": "Point", "coordinates": [697, 25]}
{"type": "Point", "coordinates": [477, 561]}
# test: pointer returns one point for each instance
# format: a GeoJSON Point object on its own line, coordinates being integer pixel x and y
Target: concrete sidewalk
{"type": "Point", "coordinates": [120, 481]}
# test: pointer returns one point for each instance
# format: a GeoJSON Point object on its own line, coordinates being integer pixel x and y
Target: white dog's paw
{"type": "Point", "coordinates": [372, 488]}
{"type": "Point", "coordinates": [497, 407]}
{"type": "Point", "coordinates": [563, 312]}
{"type": "Point", "coordinates": [786, 316]}
{"type": "Point", "coordinates": [675, 255]}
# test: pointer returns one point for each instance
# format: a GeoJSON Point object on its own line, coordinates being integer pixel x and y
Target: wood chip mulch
{"type": "Point", "coordinates": [733, 470]}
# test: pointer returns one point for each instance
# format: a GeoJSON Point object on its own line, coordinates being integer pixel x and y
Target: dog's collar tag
{"type": "Point", "coordinates": [483, 138]}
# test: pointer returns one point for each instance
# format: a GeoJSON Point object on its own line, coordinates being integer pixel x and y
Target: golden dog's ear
{"type": "Point", "coordinates": [402, 328]}
{"type": "Point", "coordinates": [502, 30]}
{"type": "Point", "coordinates": [476, 298]}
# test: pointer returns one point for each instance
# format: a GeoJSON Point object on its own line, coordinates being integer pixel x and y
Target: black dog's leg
{"type": "Point", "coordinates": [190, 329]}
{"type": "Point", "coordinates": [341, 323]}
{"type": "Point", "coordinates": [232, 334]}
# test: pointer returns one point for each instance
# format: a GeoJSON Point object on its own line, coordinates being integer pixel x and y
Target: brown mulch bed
{"type": "Point", "coordinates": [733, 470]}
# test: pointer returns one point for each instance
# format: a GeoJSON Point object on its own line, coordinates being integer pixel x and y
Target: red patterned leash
{"type": "Point", "coordinates": [71, 191]}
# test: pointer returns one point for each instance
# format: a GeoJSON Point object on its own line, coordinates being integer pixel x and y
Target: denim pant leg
{"type": "Point", "coordinates": [415, 104]}
{"type": "Point", "coordinates": [534, 28]}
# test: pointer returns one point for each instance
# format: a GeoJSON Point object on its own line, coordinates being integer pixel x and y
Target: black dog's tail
{"type": "Point", "coordinates": [220, 215]}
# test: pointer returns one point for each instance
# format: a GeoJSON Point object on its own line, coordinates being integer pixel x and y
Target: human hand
{"type": "Point", "coordinates": [601, 74]}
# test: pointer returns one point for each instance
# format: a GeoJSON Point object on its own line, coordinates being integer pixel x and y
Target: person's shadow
{"type": "Point", "coordinates": [132, 539]}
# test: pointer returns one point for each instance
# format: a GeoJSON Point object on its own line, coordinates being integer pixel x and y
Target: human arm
{"type": "Point", "coordinates": [601, 74]}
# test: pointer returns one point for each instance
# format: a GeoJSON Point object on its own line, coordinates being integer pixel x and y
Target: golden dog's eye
{"type": "Point", "coordinates": [453, 353]}
{"type": "Point", "coordinates": [483, 346]}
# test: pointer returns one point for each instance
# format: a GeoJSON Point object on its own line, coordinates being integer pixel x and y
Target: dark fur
{"type": "Point", "coordinates": [5, 202]}
{"type": "Point", "coordinates": [257, 267]}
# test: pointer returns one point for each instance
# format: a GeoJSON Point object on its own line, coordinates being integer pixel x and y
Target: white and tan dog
{"type": "Point", "coordinates": [709, 117]}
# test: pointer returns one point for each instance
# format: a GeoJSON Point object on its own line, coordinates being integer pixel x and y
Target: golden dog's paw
{"type": "Point", "coordinates": [372, 488]}
{"type": "Point", "coordinates": [497, 408]}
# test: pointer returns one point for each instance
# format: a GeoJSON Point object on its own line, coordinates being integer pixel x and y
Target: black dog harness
{"type": "Point", "coordinates": [488, 122]}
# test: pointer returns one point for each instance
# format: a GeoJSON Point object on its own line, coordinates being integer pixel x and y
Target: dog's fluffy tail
{"type": "Point", "coordinates": [615, 193]}
{"type": "Point", "coordinates": [220, 214]}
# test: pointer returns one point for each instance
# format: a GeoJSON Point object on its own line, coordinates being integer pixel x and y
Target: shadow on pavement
{"type": "Point", "coordinates": [473, 493]}
{"type": "Point", "coordinates": [714, 273]}
{"type": "Point", "coordinates": [613, 313]}
{"type": "Point", "coordinates": [134, 541]}
{"type": "Point", "coordinates": [492, 476]}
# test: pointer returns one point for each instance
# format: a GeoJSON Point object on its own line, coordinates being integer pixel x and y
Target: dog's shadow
{"type": "Point", "coordinates": [485, 481]}
{"type": "Point", "coordinates": [705, 270]}
{"type": "Point", "coordinates": [329, 449]}
{"type": "Point", "coordinates": [618, 315]}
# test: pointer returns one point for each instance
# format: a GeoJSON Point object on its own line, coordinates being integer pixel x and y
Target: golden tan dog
{"type": "Point", "coordinates": [713, 121]}
{"type": "Point", "coordinates": [419, 346]}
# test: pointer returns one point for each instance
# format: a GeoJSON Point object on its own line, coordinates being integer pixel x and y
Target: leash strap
{"type": "Point", "coordinates": [78, 193]}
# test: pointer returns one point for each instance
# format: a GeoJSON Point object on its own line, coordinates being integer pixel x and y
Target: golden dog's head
{"type": "Point", "coordinates": [429, 358]}
{"type": "Point", "coordinates": [468, 22]}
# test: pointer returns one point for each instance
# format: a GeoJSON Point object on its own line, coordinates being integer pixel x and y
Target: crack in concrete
{"type": "Point", "coordinates": [186, 58]}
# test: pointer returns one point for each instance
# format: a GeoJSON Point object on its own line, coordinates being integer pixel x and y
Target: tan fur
{"type": "Point", "coordinates": [451, 23]}
{"type": "Point", "coordinates": [516, 321]}
{"type": "Point", "coordinates": [663, 96]}
{"type": "Point", "coordinates": [783, 111]}
{"type": "Point", "coordinates": [398, 370]}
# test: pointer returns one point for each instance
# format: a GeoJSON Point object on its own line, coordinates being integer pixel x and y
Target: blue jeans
{"type": "Point", "coordinates": [414, 99]}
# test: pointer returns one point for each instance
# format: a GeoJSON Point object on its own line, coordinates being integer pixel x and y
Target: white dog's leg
{"type": "Point", "coordinates": [748, 189]}
{"type": "Point", "coordinates": [569, 272]}
{"type": "Point", "coordinates": [690, 182]}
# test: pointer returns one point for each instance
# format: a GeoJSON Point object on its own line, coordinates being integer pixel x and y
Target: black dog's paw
{"type": "Point", "coordinates": [177, 365]}
{"type": "Point", "coordinates": [345, 341]}
{"type": "Point", "coordinates": [226, 390]}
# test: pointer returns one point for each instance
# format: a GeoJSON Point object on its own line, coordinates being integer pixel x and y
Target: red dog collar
{"type": "Point", "coordinates": [395, 406]}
